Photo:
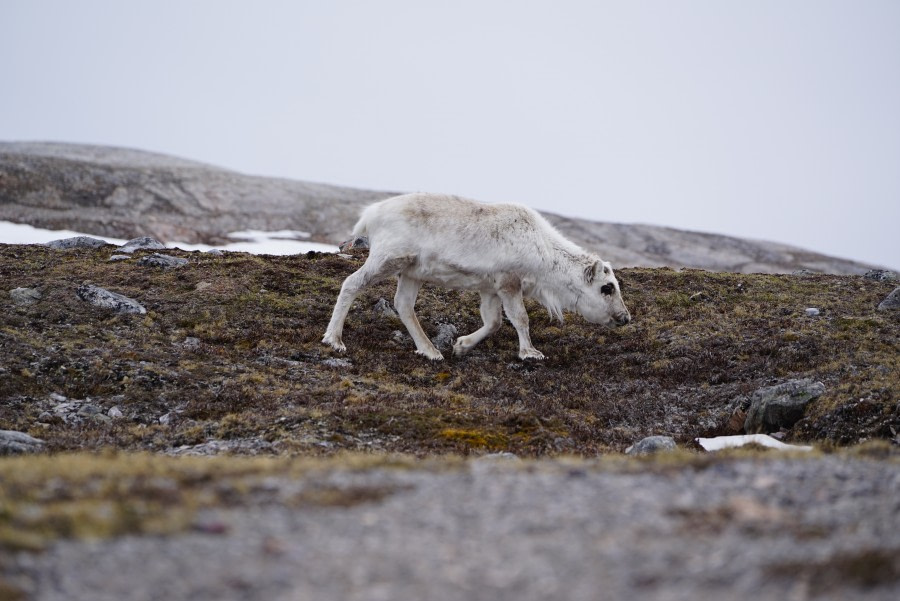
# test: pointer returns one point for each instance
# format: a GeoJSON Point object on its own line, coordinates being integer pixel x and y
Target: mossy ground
{"type": "Point", "coordinates": [698, 340]}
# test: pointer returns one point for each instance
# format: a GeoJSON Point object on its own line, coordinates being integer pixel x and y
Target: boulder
{"type": "Point", "coordinates": [25, 296]}
{"type": "Point", "coordinates": [100, 297]}
{"type": "Point", "coordinates": [164, 261]}
{"type": "Point", "coordinates": [891, 301]}
{"type": "Point", "coordinates": [142, 243]}
{"type": "Point", "coordinates": [76, 242]}
{"type": "Point", "coordinates": [17, 443]}
{"type": "Point", "coordinates": [881, 275]}
{"type": "Point", "coordinates": [652, 444]}
{"type": "Point", "coordinates": [358, 242]}
{"type": "Point", "coordinates": [780, 406]}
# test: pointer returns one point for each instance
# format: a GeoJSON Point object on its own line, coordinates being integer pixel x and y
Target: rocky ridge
{"type": "Point", "coordinates": [127, 193]}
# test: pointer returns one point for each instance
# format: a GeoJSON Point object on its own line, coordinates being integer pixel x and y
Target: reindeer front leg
{"type": "Point", "coordinates": [510, 294]}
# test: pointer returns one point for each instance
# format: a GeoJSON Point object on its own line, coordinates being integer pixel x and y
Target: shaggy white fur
{"type": "Point", "coordinates": [504, 251]}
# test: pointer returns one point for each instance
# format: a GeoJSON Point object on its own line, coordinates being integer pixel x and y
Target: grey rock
{"type": "Point", "coordinates": [384, 308]}
{"type": "Point", "coordinates": [89, 410]}
{"type": "Point", "coordinates": [100, 297]}
{"type": "Point", "coordinates": [652, 444]}
{"type": "Point", "coordinates": [891, 301]}
{"type": "Point", "coordinates": [237, 446]}
{"type": "Point", "coordinates": [336, 362]}
{"type": "Point", "coordinates": [881, 275]}
{"type": "Point", "coordinates": [142, 243]}
{"type": "Point", "coordinates": [358, 242]}
{"type": "Point", "coordinates": [76, 242]}
{"type": "Point", "coordinates": [119, 258]}
{"type": "Point", "coordinates": [445, 336]}
{"type": "Point", "coordinates": [114, 412]}
{"type": "Point", "coordinates": [812, 312]}
{"type": "Point", "coordinates": [45, 416]}
{"type": "Point", "coordinates": [780, 406]}
{"type": "Point", "coordinates": [165, 419]}
{"type": "Point", "coordinates": [215, 251]}
{"type": "Point", "coordinates": [25, 296]}
{"type": "Point", "coordinates": [17, 443]}
{"type": "Point", "coordinates": [191, 343]}
{"type": "Point", "coordinates": [164, 261]}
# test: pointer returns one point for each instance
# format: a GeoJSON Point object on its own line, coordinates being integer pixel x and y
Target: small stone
{"type": "Point", "coordinates": [165, 419]}
{"type": "Point", "coordinates": [201, 286]}
{"type": "Point", "coordinates": [17, 443]}
{"type": "Point", "coordinates": [100, 297]}
{"type": "Point", "coordinates": [144, 242]}
{"type": "Point", "coordinates": [25, 296]}
{"type": "Point", "coordinates": [191, 343]}
{"type": "Point", "coordinates": [215, 251]}
{"type": "Point", "coordinates": [803, 272]}
{"type": "Point", "coordinates": [812, 312]}
{"type": "Point", "coordinates": [699, 296]}
{"type": "Point", "coordinates": [337, 363]}
{"type": "Point", "coordinates": [384, 308]}
{"type": "Point", "coordinates": [119, 258]}
{"type": "Point", "coordinates": [652, 444]}
{"type": "Point", "coordinates": [445, 337]}
{"type": "Point", "coordinates": [891, 301]}
{"type": "Point", "coordinates": [114, 412]}
{"type": "Point", "coordinates": [76, 242]}
{"type": "Point", "coordinates": [45, 416]}
{"type": "Point", "coordinates": [88, 410]}
{"type": "Point", "coordinates": [164, 261]}
{"type": "Point", "coordinates": [780, 406]}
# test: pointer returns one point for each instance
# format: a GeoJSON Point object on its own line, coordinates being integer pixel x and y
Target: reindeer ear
{"type": "Point", "coordinates": [590, 272]}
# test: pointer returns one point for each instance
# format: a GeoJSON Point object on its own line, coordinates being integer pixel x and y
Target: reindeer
{"type": "Point", "coordinates": [506, 252]}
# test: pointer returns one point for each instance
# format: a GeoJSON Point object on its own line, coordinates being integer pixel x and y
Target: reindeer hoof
{"type": "Point", "coordinates": [460, 347]}
{"type": "Point", "coordinates": [531, 353]}
{"type": "Point", "coordinates": [431, 355]}
{"type": "Point", "coordinates": [336, 344]}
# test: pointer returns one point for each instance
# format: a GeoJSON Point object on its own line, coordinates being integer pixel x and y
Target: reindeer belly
{"type": "Point", "coordinates": [449, 275]}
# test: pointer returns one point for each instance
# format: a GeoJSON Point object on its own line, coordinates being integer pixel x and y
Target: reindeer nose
{"type": "Point", "coordinates": [622, 319]}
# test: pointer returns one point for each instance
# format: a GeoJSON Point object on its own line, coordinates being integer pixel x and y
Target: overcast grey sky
{"type": "Point", "coordinates": [775, 120]}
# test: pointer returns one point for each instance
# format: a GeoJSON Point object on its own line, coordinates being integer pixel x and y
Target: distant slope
{"type": "Point", "coordinates": [125, 193]}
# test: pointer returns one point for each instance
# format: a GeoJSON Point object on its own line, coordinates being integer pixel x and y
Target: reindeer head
{"type": "Point", "coordinates": [600, 300]}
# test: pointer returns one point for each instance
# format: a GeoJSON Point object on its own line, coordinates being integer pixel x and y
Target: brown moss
{"type": "Point", "coordinates": [698, 341]}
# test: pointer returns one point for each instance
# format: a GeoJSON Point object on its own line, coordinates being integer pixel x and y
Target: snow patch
{"type": "Point", "coordinates": [258, 242]}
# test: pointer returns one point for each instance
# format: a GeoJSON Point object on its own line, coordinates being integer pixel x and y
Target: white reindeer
{"type": "Point", "coordinates": [504, 251]}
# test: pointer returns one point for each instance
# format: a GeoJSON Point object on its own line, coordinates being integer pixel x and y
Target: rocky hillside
{"type": "Point", "coordinates": [223, 353]}
{"type": "Point", "coordinates": [126, 193]}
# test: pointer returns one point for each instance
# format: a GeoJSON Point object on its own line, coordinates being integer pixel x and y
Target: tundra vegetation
{"type": "Point", "coordinates": [229, 354]}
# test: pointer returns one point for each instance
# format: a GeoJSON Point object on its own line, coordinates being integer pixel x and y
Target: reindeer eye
{"type": "Point", "coordinates": [607, 288]}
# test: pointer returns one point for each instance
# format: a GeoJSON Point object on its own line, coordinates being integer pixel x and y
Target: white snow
{"type": "Point", "coordinates": [280, 242]}
{"type": "Point", "coordinates": [726, 442]}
